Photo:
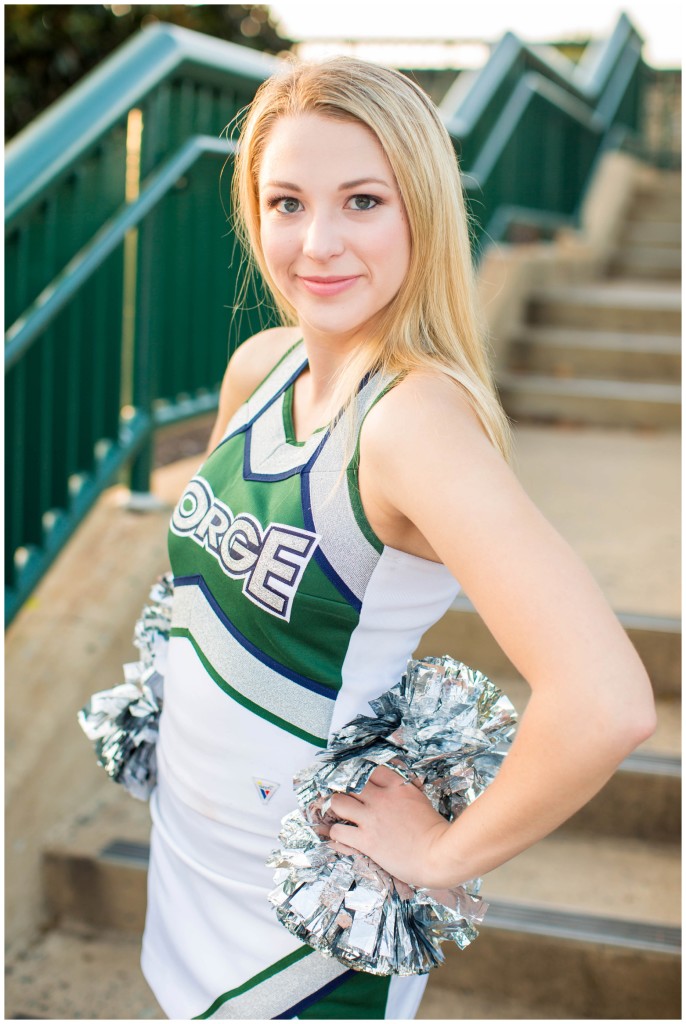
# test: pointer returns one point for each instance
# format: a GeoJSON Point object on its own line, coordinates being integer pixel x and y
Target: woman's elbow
{"type": "Point", "coordinates": [641, 717]}
{"type": "Point", "coordinates": [647, 723]}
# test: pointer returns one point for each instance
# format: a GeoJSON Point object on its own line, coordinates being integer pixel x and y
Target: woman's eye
{"type": "Point", "coordinates": [284, 204]}
{"type": "Point", "coordinates": [364, 202]}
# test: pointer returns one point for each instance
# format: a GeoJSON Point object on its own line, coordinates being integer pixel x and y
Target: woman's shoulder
{"type": "Point", "coordinates": [415, 405]}
{"type": "Point", "coordinates": [427, 426]}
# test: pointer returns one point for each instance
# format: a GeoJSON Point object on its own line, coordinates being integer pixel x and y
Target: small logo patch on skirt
{"type": "Point", "coordinates": [265, 789]}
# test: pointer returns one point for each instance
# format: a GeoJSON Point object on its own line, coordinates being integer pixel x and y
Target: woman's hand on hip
{"type": "Point", "coordinates": [395, 824]}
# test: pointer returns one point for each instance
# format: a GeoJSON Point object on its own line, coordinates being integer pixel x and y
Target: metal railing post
{"type": "Point", "coordinates": [144, 375]}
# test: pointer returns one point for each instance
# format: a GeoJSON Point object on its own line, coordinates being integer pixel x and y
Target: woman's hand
{"type": "Point", "coordinates": [395, 824]}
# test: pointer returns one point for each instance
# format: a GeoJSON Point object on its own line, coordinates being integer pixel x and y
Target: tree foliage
{"type": "Point", "coordinates": [49, 47]}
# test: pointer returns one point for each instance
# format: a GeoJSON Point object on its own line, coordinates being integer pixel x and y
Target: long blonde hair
{"type": "Point", "coordinates": [432, 322]}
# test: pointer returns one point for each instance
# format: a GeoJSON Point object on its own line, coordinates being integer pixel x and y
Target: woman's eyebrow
{"type": "Point", "coordinates": [362, 181]}
{"type": "Point", "coordinates": [283, 184]}
{"type": "Point", "coordinates": [341, 188]}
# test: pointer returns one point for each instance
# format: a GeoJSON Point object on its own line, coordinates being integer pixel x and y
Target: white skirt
{"type": "Point", "coordinates": [213, 947]}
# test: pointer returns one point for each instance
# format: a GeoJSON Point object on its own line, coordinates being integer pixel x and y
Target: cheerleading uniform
{"type": "Point", "coordinates": [289, 615]}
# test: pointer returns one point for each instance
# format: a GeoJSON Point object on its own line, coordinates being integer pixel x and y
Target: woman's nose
{"type": "Point", "coordinates": [323, 238]}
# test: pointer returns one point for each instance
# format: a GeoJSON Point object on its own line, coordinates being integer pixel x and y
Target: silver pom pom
{"type": "Point", "coordinates": [122, 723]}
{"type": "Point", "coordinates": [445, 724]}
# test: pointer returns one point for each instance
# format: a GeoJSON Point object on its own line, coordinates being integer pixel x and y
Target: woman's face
{"type": "Point", "coordinates": [332, 223]}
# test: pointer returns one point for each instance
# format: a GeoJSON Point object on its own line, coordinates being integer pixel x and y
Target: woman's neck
{"type": "Point", "coordinates": [326, 356]}
{"type": "Point", "coordinates": [314, 396]}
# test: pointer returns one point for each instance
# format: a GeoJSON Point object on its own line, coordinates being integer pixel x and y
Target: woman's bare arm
{"type": "Point", "coordinates": [591, 701]}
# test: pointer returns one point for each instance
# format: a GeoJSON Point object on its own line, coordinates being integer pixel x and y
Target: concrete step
{"type": "Point", "coordinates": [80, 973]}
{"type": "Point", "coordinates": [667, 235]}
{"type": "Point", "coordinates": [628, 881]}
{"type": "Point", "coordinates": [569, 352]}
{"type": "Point", "coordinates": [560, 972]}
{"type": "Point", "coordinates": [664, 182]}
{"type": "Point", "coordinates": [462, 634]}
{"type": "Point", "coordinates": [598, 402]}
{"type": "Point", "coordinates": [650, 262]}
{"type": "Point", "coordinates": [577, 928]}
{"type": "Point", "coordinates": [642, 800]}
{"type": "Point", "coordinates": [588, 907]}
{"type": "Point", "coordinates": [625, 305]}
{"type": "Point", "coordinates": [658, 208]}
{"type": "Point", "coordinates": [95, 867]}
{"type": "Point", "coordinates": [643, 272]}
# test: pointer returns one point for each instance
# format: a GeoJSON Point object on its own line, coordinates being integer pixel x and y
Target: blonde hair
{"type": "Point", "coordinates": [432, 322]}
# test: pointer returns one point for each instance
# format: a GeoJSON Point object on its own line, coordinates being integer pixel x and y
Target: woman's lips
{"type": "Point", "coordinates": [327, 285]}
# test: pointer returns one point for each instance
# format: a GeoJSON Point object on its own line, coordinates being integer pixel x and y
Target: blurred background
{"type": "Point", "coordinates": [120, 298]}
{"type": "Point", "coordinates": [49, 47]}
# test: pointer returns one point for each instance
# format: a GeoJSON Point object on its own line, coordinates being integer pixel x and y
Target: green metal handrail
{"type": "Point", "coordinates": [121, 306]}
{"type": "Point", "coordinates": [79, 402]}
{"type": "Point", "coordinates": [136, 425]}
{"type": "Point", "coordinates": [530, 108]}
{"type": "Point", "coordinates": [85, 263]}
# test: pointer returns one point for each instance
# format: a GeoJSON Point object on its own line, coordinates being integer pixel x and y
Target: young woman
{"type": "Point", "coordinates": [357, 471]}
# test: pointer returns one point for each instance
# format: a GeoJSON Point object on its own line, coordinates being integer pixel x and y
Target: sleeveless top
{"type": "Point", "coordinates": [289, 613]}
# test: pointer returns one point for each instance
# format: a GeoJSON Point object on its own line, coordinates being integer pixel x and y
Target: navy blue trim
{"type": "Point", "coordinates": [295, 677]}
{"type": "Point", "coordinates": [330, 986]}
{"type": "Point", "coordinates": [263, 408]}
{"type": "Point", "coordinates": [319, 557]}
{"type": "Point", "coordinates": [248, 473]}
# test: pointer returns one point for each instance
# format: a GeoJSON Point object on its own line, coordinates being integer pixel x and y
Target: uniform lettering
{"type": "Point", "coordinates": [241, 546]}
{"type": "Point", "coordinates": [284, 555]}
{"type": "Point", "coordinates": [193, 507]}
{"type": "Point", "coordinates": [271, 561]}
{"type": "Point", "coordinates": [213, 526]}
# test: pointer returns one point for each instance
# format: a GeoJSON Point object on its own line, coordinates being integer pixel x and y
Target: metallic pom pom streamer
{"type": "Point", "coordinates": [450, 727]}
{"type": "Point", "coordinates": [122, 723]}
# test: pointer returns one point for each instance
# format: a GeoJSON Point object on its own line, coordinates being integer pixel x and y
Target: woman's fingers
{"type": "Point", "coordinates": [346, 806]}
{"type": "Point", "coordinates": [385, 778]}
{"type": "Point", "coordinates": [344, 837]}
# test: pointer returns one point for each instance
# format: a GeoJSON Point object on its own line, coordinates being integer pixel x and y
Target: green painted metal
{"type": "Point", "coordinates": [121, 313]}
{"type": "Point", "coordinates": [67, 223]}
{"type": "Point", "coordinates": [529, 108]}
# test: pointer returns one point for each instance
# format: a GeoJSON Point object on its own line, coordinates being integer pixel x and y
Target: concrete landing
{"type": "Point", "coordinates": [80, 973]}
{"type": "Point", "coordinates": [614, 495]}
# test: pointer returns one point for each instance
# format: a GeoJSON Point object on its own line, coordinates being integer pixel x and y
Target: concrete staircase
{"type": "Point", "coordinates": [650, 245]}
{"type": "Point", "coordinates": [607, 353]}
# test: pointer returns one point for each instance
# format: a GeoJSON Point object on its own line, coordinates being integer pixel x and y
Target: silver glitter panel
{"type": "Point", "coordinates": [276, 995]}
{"type": "Point", "coordinates": [342, 541]}
{"type": "Point", "coordinates": [269, 452]}
{"type": "Point", "coordinates": [449, 727]}
{"type": "Point", "coordinates": [122, 723]}
{"type": "Point", "coordinates": [257, 682]}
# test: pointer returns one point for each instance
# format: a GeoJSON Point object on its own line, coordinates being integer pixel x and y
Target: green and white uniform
{"type": "Point", "coordinates": [289, 616]}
